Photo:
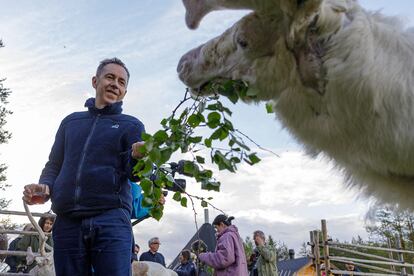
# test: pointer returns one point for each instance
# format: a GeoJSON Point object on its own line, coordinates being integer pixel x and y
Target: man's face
{"type": "Point", "coordinates": [155, 245]}
{"type": "Point", "coordinates": [110, 85]}
{"type": "Point", "coordinates": [349, 267]}
{"type": "Point", "coordinates": [258, 240]}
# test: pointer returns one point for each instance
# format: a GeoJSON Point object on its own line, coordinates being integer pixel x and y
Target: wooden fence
{"type": "Point", "coordinates": [323, 252]}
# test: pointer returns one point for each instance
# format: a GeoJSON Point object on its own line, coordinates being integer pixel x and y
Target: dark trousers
{"type": "Point", "coordinates": [101, 244]}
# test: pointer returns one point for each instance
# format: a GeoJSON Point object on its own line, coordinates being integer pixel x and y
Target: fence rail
{"type": "Point", "coordinates": [371, 261]}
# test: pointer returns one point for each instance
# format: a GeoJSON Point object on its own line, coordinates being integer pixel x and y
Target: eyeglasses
{"type": "Point", "coordinates": [155, 243]}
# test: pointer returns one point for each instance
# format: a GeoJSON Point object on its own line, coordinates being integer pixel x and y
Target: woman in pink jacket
{"type": "Point", "coordinates": [229, 258]}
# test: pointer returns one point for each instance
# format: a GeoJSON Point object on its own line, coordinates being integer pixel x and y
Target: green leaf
{"type": "Point", "coordinates": [213, 119]}
{"type": "Point", "coordinates": [177, 196]}
{"type": "Point", "coordinates": [200, 159]}
{"type": "Point", "coordinates": [195, 140]}
{"type": "Point", "coordinates": [193, 120]}
{"type": "Point", "coordinates": [148, 167]}
{"type": "Point", "coordinates": [254, 159]}
{"type": "Point", "coordinates": [160, 136]}
{"type": "Point", "coordinates": [210, 186]}
{"type": "Point", "coordinates": [212, 107]}
{"type": "Point", "coordinates": [207, 142]}
{"type": "Point", "coordinates": [204, 204]}
{"type": "Point", "coordinates": [184, 202]}
{"type": "Point", "coordinates": [164, 122]}
{"type": "Point", "coordinates": [165, 154]}
{"type": "Point", "coordinates": [269, 108]}
{"type": "Point", "coordinates": [190, 169]}
{"type": "Point", "coordinates": [146, 186]}
{"type": "Point", "coordinates": [145, 136]}
{"type": "Point", "coordinates": [216, 134]}
{"type": "Point", "coordinates": [156, 212]}
{"type": "Point", "coordinates": [147, 202]}
{"type": "Point", "coordinates": [155, 156]}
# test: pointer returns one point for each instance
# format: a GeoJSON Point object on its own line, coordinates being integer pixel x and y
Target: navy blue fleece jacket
{"type": "Point", "coordinates": [90, 161]}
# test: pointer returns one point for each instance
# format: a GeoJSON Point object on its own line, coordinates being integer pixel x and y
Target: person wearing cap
{"type": "Point", "coordinates": [229, 258]}
{"type": "Point", "coordinates": [266, 259]}
{"type": "Point", "coordinates": [350, 266]}
{"type": "Point", "coordinates": [152, 255]}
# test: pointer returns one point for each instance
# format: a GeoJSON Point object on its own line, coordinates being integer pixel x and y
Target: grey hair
{"type": "Point", "coordinates": [259, 233]}
{"type": "Point", "coordinates": [107, 61]}
{"type": "Point", "coordinates": [153, 240]}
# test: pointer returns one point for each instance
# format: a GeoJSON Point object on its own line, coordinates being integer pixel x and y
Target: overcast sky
{"type": "Point", "coordinates": [52, 50]}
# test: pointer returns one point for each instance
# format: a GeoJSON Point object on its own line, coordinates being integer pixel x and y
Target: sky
{"type": "Point", "coordinates": [52, 50]}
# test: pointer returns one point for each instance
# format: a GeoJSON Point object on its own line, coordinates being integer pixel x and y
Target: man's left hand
{"type": "Point", "coordinates": [136, 150]}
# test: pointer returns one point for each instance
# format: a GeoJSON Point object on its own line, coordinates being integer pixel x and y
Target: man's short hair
{"type": "Point", "coordinates": [107, 61]}
{"type": "Point", "coordinates": [259, 233]}
{"type": "Point", "coordinates": [153, 240]}
{"type": "Point", "coordinates": [186, 254]}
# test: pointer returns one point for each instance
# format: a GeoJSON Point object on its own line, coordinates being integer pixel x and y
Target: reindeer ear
{"type": "Point", "coordinates": [195, 11]}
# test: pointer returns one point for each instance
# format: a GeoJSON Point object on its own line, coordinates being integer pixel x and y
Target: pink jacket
{"type": "Point", "coordinates": [229, 258]}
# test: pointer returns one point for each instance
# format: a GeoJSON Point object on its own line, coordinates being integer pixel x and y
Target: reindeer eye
{"type": "Point", "coordinates": [242, 42]}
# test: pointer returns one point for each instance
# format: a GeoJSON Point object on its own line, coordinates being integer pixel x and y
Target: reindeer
{"type": "Point", "coordinates": [150, 269]}
{"type": "Point", "coordinates": [339, 78]}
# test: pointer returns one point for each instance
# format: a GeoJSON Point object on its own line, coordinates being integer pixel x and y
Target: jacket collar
{"type": "Point", "coordinates": [115, 108]}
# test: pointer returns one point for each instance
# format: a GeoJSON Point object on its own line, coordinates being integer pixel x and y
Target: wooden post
{"type": "Point", "coordinates": [391, 256]}
{"type": "Point", "coordinates": [400, 255]}
{"type": "Point", "coordinates": [325, 247]}
{"type": "Point", "coordinates": [317, 252]}
{"type": "Point", "coordinates": [312, 245]}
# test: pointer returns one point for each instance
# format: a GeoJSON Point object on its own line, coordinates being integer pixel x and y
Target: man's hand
{"type": "Point", "coordinates": [136, 152]}
{"type": "Point", "coordinates": [36, 193]}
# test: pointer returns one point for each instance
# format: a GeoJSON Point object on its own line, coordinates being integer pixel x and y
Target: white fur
{"type": "Point", "coordinates": [150, 269]}
{"type": "Point", "coordinates": [354, 104]}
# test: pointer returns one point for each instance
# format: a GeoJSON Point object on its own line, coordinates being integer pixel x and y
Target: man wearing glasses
{"type": "Point", "coordinates": [152, 254]}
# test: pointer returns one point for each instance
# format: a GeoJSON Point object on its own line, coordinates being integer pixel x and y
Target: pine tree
{"type": "Point", "coordinates": [282, 251]}
{"type": "Point", "coordinates": [4, 136]}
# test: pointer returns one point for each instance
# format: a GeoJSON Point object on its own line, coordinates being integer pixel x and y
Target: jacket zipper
{"type": "Point", "coordinates": [80, 167]}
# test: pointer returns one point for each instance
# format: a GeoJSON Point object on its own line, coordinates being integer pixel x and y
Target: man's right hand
{"type": "Point", "coordinates": [36, 193]}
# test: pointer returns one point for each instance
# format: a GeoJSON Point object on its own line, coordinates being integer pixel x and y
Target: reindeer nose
{"type": "Point", "coordinates": [186, 60]}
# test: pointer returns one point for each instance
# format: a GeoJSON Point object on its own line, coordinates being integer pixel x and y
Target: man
{"type": "Point", "coordinates": [266, 259]}
{"type": "Point", "coordinates": [350, 266]}
{"type": "Point", "coordinates": [86, 178]}
{"type": "Point", "coordinates": [186, 266]}
{"type": "Point", "coordinates": [135, 251]}
{"type": "Point", "coordinates": [152, 254]}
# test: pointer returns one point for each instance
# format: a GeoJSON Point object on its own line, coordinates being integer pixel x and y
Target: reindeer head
{"type": "Point", "coordinates": [264, 48]}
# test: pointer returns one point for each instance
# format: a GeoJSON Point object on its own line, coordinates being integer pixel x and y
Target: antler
{"type": "Point", "coordinates": [197, 9]}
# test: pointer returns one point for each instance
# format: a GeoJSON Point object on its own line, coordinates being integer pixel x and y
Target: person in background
{"type": "Point", "coordinates": [229, 258]}
{"type": "Point", "coordinates": [152, 255]}
{"type": "Point", "coordinates": [350, 266]}
{"type": "Point", "coordinates": [186, 266]}
{"type": "Point", "coordinates": [33, 241]}
{"type": "Point", "coordinates": [135, 252]}
{"type": "Point", "coordinates": [14, 261]}
{"type": "Point", "coordinates": [266, 255]}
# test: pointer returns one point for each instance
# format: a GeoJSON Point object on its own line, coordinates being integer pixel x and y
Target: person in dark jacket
{"type": "Point", "coordinates": [186, 266]}
{"type": "Point", "coordinates": [350, 266]}
{"type": "Point", "coordinates": [152, 255]}
{"type": "Point", "coordinates": [46, 224]}
{"type": "Point", "coordinates": [86, 178]}
{"type": "Point", "coordinates": [14, 261]}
